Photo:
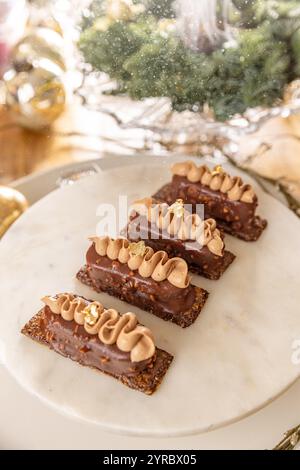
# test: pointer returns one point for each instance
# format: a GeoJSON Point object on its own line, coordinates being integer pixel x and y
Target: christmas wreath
{"type": "Point", "coordinates": [138, 44]}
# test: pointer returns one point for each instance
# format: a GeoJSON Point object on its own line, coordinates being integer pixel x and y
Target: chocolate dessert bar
{"type": "Point", "coordinates": [150, 280]}
{"type": "Point", "coordinates": [227, 199]}
{"type": "Point", "coordinates": [87, 333]}
{"type": "Point", "coordinates": [180, 233]}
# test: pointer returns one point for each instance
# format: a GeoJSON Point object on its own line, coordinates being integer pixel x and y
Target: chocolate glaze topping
{"type": "Point", "coordinates": [112, 272]}
{"type": "Point", "coordinates": [216, 203]}
{"type": "Point", "coordinates": [71, 340]}
{"type": "Point", "coordinates": [235, 217]}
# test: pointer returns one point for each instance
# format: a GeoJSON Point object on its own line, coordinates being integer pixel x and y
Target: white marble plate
{"type": "Point", "coordinates": [236, 357]}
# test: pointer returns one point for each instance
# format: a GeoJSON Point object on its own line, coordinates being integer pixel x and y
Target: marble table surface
{"type": "Point", "coordinates": [236, 358]}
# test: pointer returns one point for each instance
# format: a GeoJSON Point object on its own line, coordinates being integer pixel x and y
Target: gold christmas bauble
{"type": "Point", "coordinates": [166, 26]}
{"type": "Point", "coordinates": [12, 205]}
{"type": "Point", "coordinates": [51, 22]}
{"type": "Point", "coordinates": [118, 10]}
{"type": "Point", "coordinates": [102, 23]}
{"type": "Point", "coordinates": [35, 97]}
{"type": "Point", "coordinates": [122, 10]}
{"type": "Point", "coordinates": [39, 42]}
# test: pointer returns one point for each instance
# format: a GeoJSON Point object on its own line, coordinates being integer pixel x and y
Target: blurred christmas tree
{"type": "Point", "coordinates": [139, 44]}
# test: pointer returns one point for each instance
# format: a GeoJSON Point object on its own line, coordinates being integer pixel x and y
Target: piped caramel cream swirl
{"type": "Point", "coordinates": [108, 325]}
{"type": "Point", "coordinates": [217, 180]}
{"type": "Point", "coordinates": [180, 223]}
{"type": "Point", "coordinates": [148, 263]}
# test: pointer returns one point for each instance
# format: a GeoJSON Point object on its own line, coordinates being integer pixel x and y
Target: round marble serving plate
{"type": "Point", "coordinates": [236, 358]}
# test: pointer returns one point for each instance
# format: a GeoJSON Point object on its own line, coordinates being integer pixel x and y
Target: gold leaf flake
{"type": "Point", "coordinates": [177, 208]}
{"type": "Point", "coordinates": [218, 169]}
{"type": "Point", "coordinates": [91, 314]}
{"type": "Point", "coordinates": [137, 248]}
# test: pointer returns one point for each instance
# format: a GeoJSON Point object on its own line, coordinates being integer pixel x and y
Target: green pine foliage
{"type": "Point", "coordinates": [160, 8]}
{"type": "Point", "coordinates": [147, 62]}
{"type": "Point", "coordinates": [295, 44]}
{"type": "Point", "coordinates": [108, 50]}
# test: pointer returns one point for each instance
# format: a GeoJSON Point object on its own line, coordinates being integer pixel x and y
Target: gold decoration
{"type": "Point", "coordinates": [218, 169]}
{"type": "Point", "coordinates": [290, 439]}
{"type": "Point", "coordinates": [35, 97]}
{"type": "Point", "coordinates": [91, 314]}
{"type": "Point", "coordinates": [51, 22]}
{"type": "Point", "coordinates": [137, 248]}
{"type": "Point", "coordinates": [102, 23]}
{"type": "Point", "coordinates": [177, 208]}
{"type": "Point", "coordinates": [12, 205]}
{"type": "Point", "coordinates": [166, 26]}
{"type": "Point", "coordinates": [34, 88]}
{"type": "Point", "coordinates": [123, 10]}
{"type": "Point", "coordinates": [39, 43]}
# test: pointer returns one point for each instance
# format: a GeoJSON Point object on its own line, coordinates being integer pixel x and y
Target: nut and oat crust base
{"type": "Point", "coordinates": [183, 319]}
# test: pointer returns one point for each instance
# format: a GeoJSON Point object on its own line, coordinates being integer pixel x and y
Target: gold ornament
{"type": "Point", "coordinates": [35, 97]}
{"type": "Point", "coordinates": [123, 10]}
{"type": "Point", "coordinates": [102, 24]}
{"type": "Point", "coordinates": [39, 43]}
{"type": "Point", "coordinates": [12, 205]}
{"type": "Point", "coordinates": [51, 22]}
{"type": "Point", "coordinates": [166, 26]}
